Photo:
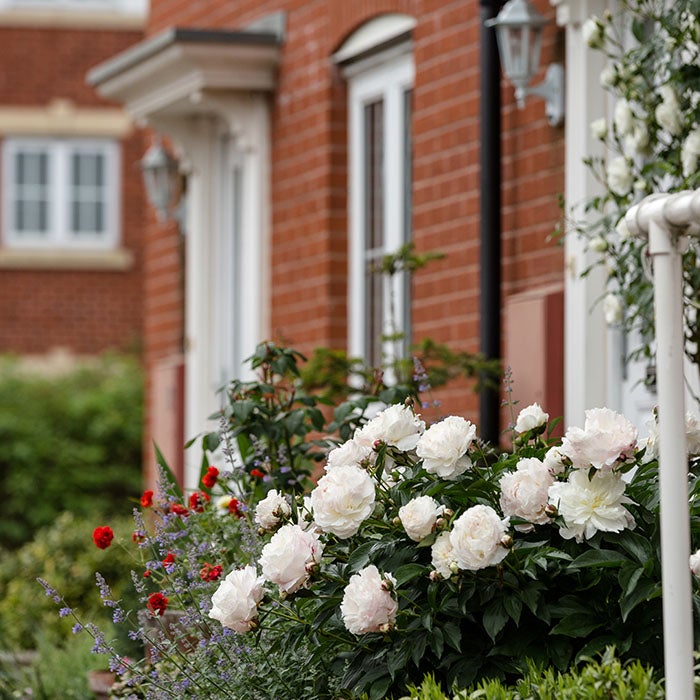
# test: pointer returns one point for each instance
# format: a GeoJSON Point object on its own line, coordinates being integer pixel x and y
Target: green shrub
{"type": "Point", "coordinates": [64, 554]}
{"type": "Point", "coordinates": [604, 679]}
{"type": "Point", "coordinates": [71, 442]}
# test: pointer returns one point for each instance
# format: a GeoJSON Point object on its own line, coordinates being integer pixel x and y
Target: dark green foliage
{"type": "Point", "coordinates": [70, 442]}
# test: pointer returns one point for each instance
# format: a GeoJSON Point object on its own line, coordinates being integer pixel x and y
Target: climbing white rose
{"type": "Point", "coordinates": [620, 176]}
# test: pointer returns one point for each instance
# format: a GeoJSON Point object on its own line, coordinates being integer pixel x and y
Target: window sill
{"type": "Point", "coordinates": [118, 260]}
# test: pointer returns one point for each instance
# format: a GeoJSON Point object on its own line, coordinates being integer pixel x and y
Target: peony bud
{"type": "Point", "coordinates": [454, 568]}
{"type": "Point", "coordinates": [551, 510]}
{"type": "Point", "coordinates": [507, 541]}
{"type": "Point", "coordinates": [434, 576]}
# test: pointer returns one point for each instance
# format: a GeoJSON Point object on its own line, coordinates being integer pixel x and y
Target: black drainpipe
{"type": "Point", "coordinates": [490, 258]}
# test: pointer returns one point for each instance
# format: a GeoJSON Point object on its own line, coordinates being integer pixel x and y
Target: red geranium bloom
{"type": "Point", "coordinates": [147, 499]}
{"type": "Point", "coordinates": [157, 603]}
{"type": "Point", "coordinates": [234, 507]}
{"type": "Point", "coordinates": [210, 572]}
{"type": "Point", "coordinates": [198, 500]}
{"type": "Point", "coordinates": [146, 573]}
{"type": "Point", "coordinates": [169, 559]}
{"type": "Point", "coordinates": [178, 509]}
{"type": "Point", "coordinates": [209, 479]}
{"type": "Point", "coordinates": [257, 473]}
{"type": "Point", "coordinates": [103, 536]}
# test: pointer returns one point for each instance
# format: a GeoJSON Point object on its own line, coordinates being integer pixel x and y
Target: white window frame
{"type": "Point", "coordinates": [60, 233]}
{"type": "Point", "coordinates": [387, 76]}
{"type": "Point", "coordinates": [122, 6]}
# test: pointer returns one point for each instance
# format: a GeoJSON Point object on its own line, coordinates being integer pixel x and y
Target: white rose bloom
{"type": "Point", "coordinates": [622, 229]}
{"type": "Point", "coordinates": [638, 140]}
{"type": "Point", "coordinates": [593, 32]}
{"type": "Point", "coordinates": [598, 244]}
{"type": "Point", "coordinates": [342, 500]}
{"type": "Point", "coordinates": [624, 119]}
{"type": "Point", "coordinates": [695, 563]}
{"type": "Point", "coordinates": [396, 425]}
{"type": "Point", "coordinates": [690, 151]}
{"type": "Point", "coordinates": [599, 128]}
{"type": "Point", "coordinates": [476, 538]}
{"type": "Point", "coordinates": [607, 438]}
{"type": "Point", "coordinates": [619, 176]}
{"type": "Point", "coordinates": [271, 510]}
{"type": "Point", "coordinates": [554, 461]}
{"type": "Point", "coordinates": [442, 555]}
{"type": "Point", "coordinates": [235, 601]}
{"type": "Point", "coordinates": [443, 447]}
{"type": "Point", "coordinates": [668, 113]}
{"type": "Point", "coordinates": [285, 558]}
{"type": "Point", "coordinates": [608, 76]}
{"type": "Point", "coordinates": [588, 506]}
{"type": "Point", "coordinates": [367, 606]}
{"type": "Point", "coordinates": [418, 517]}
{"type": "Point", "coordinates": [531, 417]}
{"type": "Point", "coordinates": [524, 492]}
{"type": "Point", "coordinates": [612, 309]}
{"type": "Point", "coordinates": [350, 452]}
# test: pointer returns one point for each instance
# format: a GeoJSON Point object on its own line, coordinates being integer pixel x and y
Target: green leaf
{"type": "Point", "coordinates": [495, 618]}
{"type": "Point", "coordinates": [598, 557]}
{"type": "Point", "coordinates": [379, 688]}
{"type": "Point", "coordinates": [513, 606]}
{"type": "Point", "coordinates": [637, 546]}
{"type": "Point", "coordinates": [576, 625]}
{"type": "Point", "coordinates": [408, 572]}
{"type": "Point", "coordinates": [360, 557]}
{"type": "Point", "coordinates": [418, 647]}
{"type": "Point", "coordinates": [453, 635]}
{"type": "Point", "coordinates": [645, 591]}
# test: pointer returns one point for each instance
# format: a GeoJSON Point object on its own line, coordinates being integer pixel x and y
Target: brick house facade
{"type": "Point", "coordinates": [282, 95]}
{"type": "Point", "coordinates": [72, 202]}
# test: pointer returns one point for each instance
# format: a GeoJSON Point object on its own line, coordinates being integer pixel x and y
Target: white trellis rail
{"type": "Point", "coordinates": [667, 220]}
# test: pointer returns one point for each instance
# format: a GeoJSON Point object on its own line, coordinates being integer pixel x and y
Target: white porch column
{"type": "Point", "coordinates": [664, 219]}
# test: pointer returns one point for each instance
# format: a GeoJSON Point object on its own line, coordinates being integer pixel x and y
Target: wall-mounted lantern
{"type": "Point", "coordinates": [519, 34]}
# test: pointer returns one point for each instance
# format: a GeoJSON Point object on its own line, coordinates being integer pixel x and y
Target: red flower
{"type": "Point", "coordinates": [178, 509]}
{"type": "Point", "coordinates": [147, 499]}
{"type": "Point", "coordinates": [157, 603]}
{"type": "Point", "coordinates": [257, 473]}
{"type": "Point", "coordinates": [198, 500]}
{"type": "Point", "coordinates": [169, 559]}
{"type": "Point", "coordinates": [211, 573]}
{"type": "Point", "coordinates": [209, 479]}
{"type": "Point", "coordinates": [146, 573]}
{"type": "Point", "coordinates": [103, 536]}
{"type": "Point", "coordinates": [234, 507]}
{"type": "Point", "coordinates": [138, 536]}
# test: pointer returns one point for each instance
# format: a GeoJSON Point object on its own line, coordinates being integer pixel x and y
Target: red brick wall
{"type": "Point", "coordinates": [309, 217]}
{"type": "Point", "coordinates": [85, 311]}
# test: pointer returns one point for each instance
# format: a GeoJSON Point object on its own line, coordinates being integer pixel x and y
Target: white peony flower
{"type": "Point", "coordinates": [419, 515]}
{"type": "Point", "coordinates": [443, 447]}
{"type": "Point", "coordinates": [286, 558]}
{"type": "Point", "coordinates": [442, 555]}
{"type": "Point", "coordinates": [607, 439]}
{"type": "Point", "coordinates": [476, 538]}
{"type": "Point", "coordinates": [588, 506]}
{"type": "Point", "coordinates": [530, 418]}
{"type": "Point", "coordinates": [524, 492]}
{"type": "Point", "coordinates": [695, 563]}
{"type": "Point", "coordinates": [599, 128]}
{"type": "Point", "coordinates": [608, 76]}
{"type": "Point", "coordinates": [350, 452]}
{"type": "Point", "coordinates": [692, 432]}
{"type": "Point", "coordinates": [619, 176]}
{"type": "Point", "coordinates": [690, 151]}
{"type": "Point", "coordinates": [593, 33]}
{"type": "Point", "coordinates": [554, 460]}
{"type": "Point", "coordinates": [624, 119]}
{"type": "Point", "coordinates": [271, 510]}
{"type": "Point", "coordinates": [396, 425]}
{"type": "Point", "coordinates": [342, 500]}
{"type": "Point", "coordinates": [367, 605]}
{"type": "Point", "coordinates": [668, 112]}
{"type": "Point", "coordinates": [235, 601]}
{"type": "Point", "coordinates": [612, 308]}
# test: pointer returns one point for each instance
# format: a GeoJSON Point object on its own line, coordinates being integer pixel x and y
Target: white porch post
{"type": "Point", "coordinates": [665, 219]}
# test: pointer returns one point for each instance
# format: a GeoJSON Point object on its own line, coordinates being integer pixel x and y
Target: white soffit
{"type": "Point", "coordinates": [376, 33]}
{"type": "Point", "coordinates": [169, 73]}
